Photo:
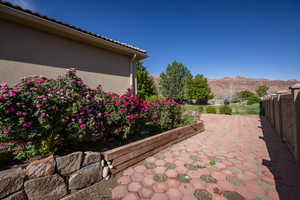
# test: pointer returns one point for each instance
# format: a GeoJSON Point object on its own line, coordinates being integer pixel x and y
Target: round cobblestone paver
{"type": "Point", "coordinates": [119, 191]}
{"type": "Point", "coordinates": [160, 187]}
{"type": "Point", "coordinates": [148, 181]}
{"type": "Point", "coordinates": [140, 168]}
{"type": "Point", "coordinates": [173, 183]}
{"type": "Point", "coordinates": [130, 196]}
{"type": "Point", "coordinates": [137, 177]}
{"type": "Point", "coordinates": [174, 194]}
{"type": "Point", "coordinates": [160, 170]}
{"type": "Point", "coordinates": [134, 187]}
{"type": "Point", "coordinates": [159, 196]}
{"type": "Point", "coordinates": [146, 193]}
{"type": "Point", "coordinates": [124, 180]}
{"type": "Point", "coordinates": [171, 173]}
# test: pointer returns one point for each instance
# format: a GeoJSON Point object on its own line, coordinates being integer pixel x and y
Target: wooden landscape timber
{"type": "Point", "coordinates": [127, 155]}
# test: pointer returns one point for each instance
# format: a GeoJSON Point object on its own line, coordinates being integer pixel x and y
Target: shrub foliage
{"type": "Point", "coordinates": [262, 90]}
{"type": "Point", "coordinates": [225, 110]}
{"type": "Point", "coordinates": [211, 109]}
{"type": "Point", "coordinates": [253, 100]}
{"type": "Point", "coordinates": [39, 115]}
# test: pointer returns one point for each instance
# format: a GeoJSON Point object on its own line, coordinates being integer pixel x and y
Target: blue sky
{"type": "Point", "coordinates": [217, 38]}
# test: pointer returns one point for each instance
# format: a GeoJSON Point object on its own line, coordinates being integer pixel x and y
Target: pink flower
{"type": "Point", "coordinates": [12, 93]}
{"type": "Point", "coordinates": [82, 126]}
{"type": "Point", "coordinates": [10, 110]}
{"type": "Point", "coordinates": [3, 84]}
{"type": "Point", "coordinates": [44, 115]}
{"type": "Point", "coordinates": [71, 70]}
{"type": "Point", "coordinates": [108, 118]}
{"type": "Point", "coordinates": [27, 124]}
{"type": "Point", "coordinates": [6, 132]}
{"type": "Point", "coordinates": [39, 81]}
{"type": "Point", "coordinates": [2, 146]}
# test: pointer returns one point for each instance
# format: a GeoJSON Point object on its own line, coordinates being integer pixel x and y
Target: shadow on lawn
{"type": "Point", "coordinates": [282, 164]}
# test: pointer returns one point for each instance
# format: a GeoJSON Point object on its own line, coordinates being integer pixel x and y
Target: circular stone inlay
{"type": "Point", "coordinates": [235, 181]}
{"type": "Point", "coordinates": [184, 178]}
{"type": "Point", "coordinates": [233, 196]}
{"type": "Point", "coordinates": [208, 179]}
{"type": "Point", "coordinates": [169, 165]}
{"type": "Point", "coordinates": [150, 165]}
{"type": "Point", "coordinates": [202, 195]}
{"type": "Point", "coordinates": [190, 167]}
{"type": "Point", "coordinates": [160, 177]}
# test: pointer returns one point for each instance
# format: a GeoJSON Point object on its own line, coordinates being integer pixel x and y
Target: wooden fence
{"type": "Point", "coordinates": [283, 111]}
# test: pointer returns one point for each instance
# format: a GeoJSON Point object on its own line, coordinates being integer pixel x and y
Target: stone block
{"type": "Point", "coordinates": [46, 188]}
{"type": "Point", "coordinates": [85, 177]}
{"type": "Point", "coordinates": [39, 168]}
{"type": "Point", "coordinates": [17, 196]}
{"type": "Point", "coordinates": [91, 157]}
{"type": "Point", "coordinates": [11, 181]}
{"type": "Point", "coordinates": [69, 163]}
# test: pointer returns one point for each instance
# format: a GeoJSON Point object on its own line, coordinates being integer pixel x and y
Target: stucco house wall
{"type": "Point", "coordinates": [28, 50]}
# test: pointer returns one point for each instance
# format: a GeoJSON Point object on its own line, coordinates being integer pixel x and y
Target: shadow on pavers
{"type": "Point", "coordinates": [282, 163]}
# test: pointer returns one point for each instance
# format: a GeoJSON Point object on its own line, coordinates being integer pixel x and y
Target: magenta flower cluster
{"type": "Point", "coordinates": [46, 113]}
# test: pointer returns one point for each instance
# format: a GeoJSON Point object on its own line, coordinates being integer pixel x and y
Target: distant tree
{"type": "Point", "coordinates": [262, 90]}
{"type": "Point", "coordinates": [253, 100]}
{"type": "Point", "coordinates": [197, 89]}
{"type": "Point", "coordinates": [244, 94]}
{"type": "Point", "coordinates": [173, 81]}
{"type": "Point", "coordinates": [145, 83]}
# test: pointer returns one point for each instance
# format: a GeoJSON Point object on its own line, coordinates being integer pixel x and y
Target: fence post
{"type": "Point", "coordinates": [295, 89]}
{"type": "Point", "coordinates": [273, 99]}
{"type": "Point", "coordinates": [268, 103]}
{"type": "Point", "coordinates": [279, 112]}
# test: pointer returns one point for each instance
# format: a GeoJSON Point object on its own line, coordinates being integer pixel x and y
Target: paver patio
{"type": "Point", "coordinates": [236, 158]}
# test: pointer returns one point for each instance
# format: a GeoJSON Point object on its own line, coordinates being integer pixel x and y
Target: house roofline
{"type": "Point", "coordinates": [43, 23]}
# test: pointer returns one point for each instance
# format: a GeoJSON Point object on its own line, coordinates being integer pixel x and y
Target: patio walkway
{"type": "Point", "coordinates": [236, 158]}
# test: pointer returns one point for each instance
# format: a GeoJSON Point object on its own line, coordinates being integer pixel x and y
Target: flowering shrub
{"type": "Point", "coordinates": [124, 114]}
{"type": "Point", "coordinates": [167, 113]}
{"type": "Point", "coordinates": [40, 114]}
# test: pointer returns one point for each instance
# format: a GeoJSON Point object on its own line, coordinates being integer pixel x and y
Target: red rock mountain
{"type": "Point", "coordinates": [225, 86]}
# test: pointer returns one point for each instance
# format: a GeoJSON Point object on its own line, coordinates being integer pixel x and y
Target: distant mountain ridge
{"type": "Point", "coordinates": [229, 85]}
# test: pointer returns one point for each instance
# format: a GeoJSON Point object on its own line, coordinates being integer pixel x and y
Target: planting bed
{"type": "Point", "coordinates": [59, 177]}
{"type": "Point", "coordinates": [127, 155]}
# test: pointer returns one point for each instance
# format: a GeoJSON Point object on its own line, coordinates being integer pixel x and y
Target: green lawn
{"type": "Point", "coordinates": [237, 109]}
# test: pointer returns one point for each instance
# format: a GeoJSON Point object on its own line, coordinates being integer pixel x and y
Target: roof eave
{"type": "Point", "coordinates": [49, 26]}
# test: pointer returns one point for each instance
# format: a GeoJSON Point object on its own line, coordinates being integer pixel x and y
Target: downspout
{"type": "Point", "coordinates": [133, 82]}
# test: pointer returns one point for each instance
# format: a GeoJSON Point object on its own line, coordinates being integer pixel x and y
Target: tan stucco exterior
{"type": "Point", "coordinates": [27, 50]}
